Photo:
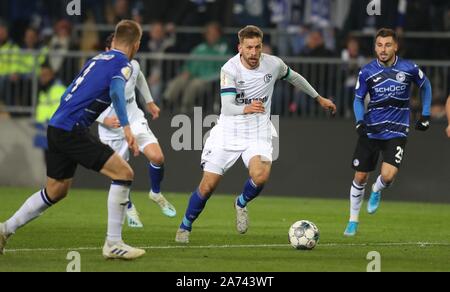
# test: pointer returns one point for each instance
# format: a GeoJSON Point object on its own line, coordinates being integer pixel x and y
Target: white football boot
{"type": "Point", "coordinates": [167, 208]}
{"type": "Point", "coordinates": [241, 218]}
{"type": "Point", "coordinates": [121, 251]}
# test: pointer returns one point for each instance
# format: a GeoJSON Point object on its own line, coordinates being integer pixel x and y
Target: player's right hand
{"type": "Point", "coordinates": [256, 107]}
{"type": "Point", "coordinates": [131, 140]}
{"type": "Point", "coordinates": [361, 129]}
{"type": "Point", "coordinates": [448, 131]}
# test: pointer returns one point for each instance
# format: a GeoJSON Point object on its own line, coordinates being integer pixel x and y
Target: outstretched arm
{"type": "Point", "coordinates": [302, 84]}
{"type": "Point", "coordinates": [142, 87]}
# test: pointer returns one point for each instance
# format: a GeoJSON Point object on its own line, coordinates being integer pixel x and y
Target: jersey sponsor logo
{"type": "Point", "coordinates": [390, 89]}
{"type": "Point", "coordinates": [377, 79]}
{"type": "Point", "coordinates": [356, 163]}
{"type": "Point", "coordinates": [268, 78]}
{"type": "Point", "coordinates": [240, 99]}
{"type": "Point", "coordinates": [401, 77]}
{"type": "Point", "coordinates": [126, 72]}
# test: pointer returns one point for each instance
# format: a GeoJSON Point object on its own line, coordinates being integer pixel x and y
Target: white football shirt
{"type": "Point", "coordinates": [236, 132]}
{"type": "Point", "coordinates": [134, 113]}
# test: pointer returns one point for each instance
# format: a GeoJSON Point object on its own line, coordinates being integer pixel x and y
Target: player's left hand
{"type": "Point", "coordinates": [131, 140]}
{"type": "Point", "coordinates": [448, 131]}
{"type": "Point", "coordinates": [423, 124]}
{"type": "Point", "coordinates": [154, 110]}
{"type": "Point", "coordinates": [327, 105]}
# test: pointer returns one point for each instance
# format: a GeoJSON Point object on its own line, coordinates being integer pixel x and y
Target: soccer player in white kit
{"type": "Point", "coordinates": [244, 128]}
{"type": "Point", "coordinates": [111, 133]}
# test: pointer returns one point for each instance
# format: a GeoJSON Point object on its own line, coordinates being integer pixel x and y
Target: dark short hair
{"type": "Point", "coordinates": [250, 32]}
{"type": "Point", "coordinates": [109, 40]}
{"type": "Point", "coordinates": [387, 32]}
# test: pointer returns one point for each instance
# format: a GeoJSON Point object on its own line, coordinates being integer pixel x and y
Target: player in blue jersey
{"type": "Point", "coordinates": [101, 81]}
{"type": "Point", "coordinates": [384, 126]}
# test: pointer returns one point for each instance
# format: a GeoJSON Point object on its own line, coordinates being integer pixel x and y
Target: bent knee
{"type": "Point", "coordinates": [206, 190]}
{"type": "Point", "coordinates": [260, 178]}
{"type": "Point", "coordinates": [361, 178]}
{"type": "Point", "coordinates": [158, 159]}
{"type": "Point", "coordinates": [127, 173]}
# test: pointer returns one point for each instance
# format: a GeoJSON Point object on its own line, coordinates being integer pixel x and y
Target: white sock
{"type": "Point", "coordinates": [155, 196]}
{"type": "Point", "coordinates": [380, 185]}
{"type": "Point", "coordinates": [30, 210]}
{"type": "Point", "coordinates": [356, 201]}
{"type": "Point", "coordinates": [117, 205]}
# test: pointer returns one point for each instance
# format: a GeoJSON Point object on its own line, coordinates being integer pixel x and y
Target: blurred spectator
{"type": "Point", "coordinates": [119, 10]}
{"type": "Point", "coordinates": [26, 64]}
{"type": "Point", "coordinates": [197, 76]}
{"type": "Point", "coordinates": [319, 17]}
{"type": "Point", "coordinates": [21, 14]}
{"type": "Point", "coordinates": [49, 96]}
{"type": "Point", "coordinates": [288, 16]}
{"type": "Point", "coordinates": [161, 40]}
{"type": "Point", "coordinates": [90, 37]}
{"type": "Point", "coordinates": [32, 55]}
{"type": "Point", "coordinates": [60, 44]}
{"type": "Point", "coordinates": [354, 61]}
{"type": "Point", "coordinates": [8, 63]}
{"type": "Point", "coordinates": [315, 46]}
{"type": "Point", "coordinates": [254, 12]}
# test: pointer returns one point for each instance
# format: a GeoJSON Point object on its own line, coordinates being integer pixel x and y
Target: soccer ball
{"type": "Point", "coordinates": [304, 235]}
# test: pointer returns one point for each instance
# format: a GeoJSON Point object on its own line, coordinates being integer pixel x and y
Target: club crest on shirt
{"type": "Point", "coordinates": [126, 72]}
{"type": "Point", "coordinates": [268, 78]}
{"type": "Point", "coordinates": [401, 77]}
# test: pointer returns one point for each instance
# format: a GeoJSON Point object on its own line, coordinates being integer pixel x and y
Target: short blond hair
{"type": "Point", "coordinates": [128, 32]}
{"type": "Point", "coordinates": [250, 32]}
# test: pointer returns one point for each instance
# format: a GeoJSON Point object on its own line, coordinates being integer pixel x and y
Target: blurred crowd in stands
{"type": "Point", "coordinates": [42, 33]}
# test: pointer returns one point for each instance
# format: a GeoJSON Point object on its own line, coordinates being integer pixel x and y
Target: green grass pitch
{"type": "Point", "coordinates": [408, 236]}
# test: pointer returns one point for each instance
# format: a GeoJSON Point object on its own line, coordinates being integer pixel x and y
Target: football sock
{"type": "Point", "coordinates": [380, 185]}
{"type": "Point", "coordinates": [156, 174]}
{"type": "Point", "coordinates": [119, 194]}
{"type": "Point", "coordinates": [196, 205]}
{"type": "Point", "coordinates": [251, 191]}
{"type": "Point", "coordinates": [356, 200]}
{"type": "Point", "coordinates": [30, 210]}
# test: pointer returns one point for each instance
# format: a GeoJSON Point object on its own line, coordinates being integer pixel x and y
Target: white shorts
{"type": "Point", "coordinates": [144, 137]}
{"type": "Point", "coordinates": [216, 159]}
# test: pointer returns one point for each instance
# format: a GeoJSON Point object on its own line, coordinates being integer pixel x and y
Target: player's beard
{"type": "Point", "coordinates": [383, 58]}
{"type": "Point", "coordinates": [253, 62]}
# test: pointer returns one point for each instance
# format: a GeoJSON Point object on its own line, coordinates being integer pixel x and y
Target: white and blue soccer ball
{"type": "Point", "coordinates": [304, 235]}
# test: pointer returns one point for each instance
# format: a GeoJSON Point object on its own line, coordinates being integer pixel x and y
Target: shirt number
{"type": "Point", "coordinates": [82, 77]}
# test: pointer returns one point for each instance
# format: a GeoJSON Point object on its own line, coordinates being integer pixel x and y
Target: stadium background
{"type": "Point", "coordinates": [325, 40]}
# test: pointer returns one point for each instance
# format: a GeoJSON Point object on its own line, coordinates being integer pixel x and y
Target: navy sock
{"type": "Point", "coordinates": [251, 191]}
{"type": "Point", "coordinates": [196, 205]}
{"type": "Point", "coordinates": [156, 174]}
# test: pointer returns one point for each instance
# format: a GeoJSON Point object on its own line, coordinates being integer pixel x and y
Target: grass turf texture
{"type": "Point", "coordinates": [409, 236]}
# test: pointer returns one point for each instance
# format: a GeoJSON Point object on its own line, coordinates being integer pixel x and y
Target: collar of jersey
{"type": "Point", "coordinates": [393, 65]}
{"type": "Point", "coordinates": [119, 51]}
